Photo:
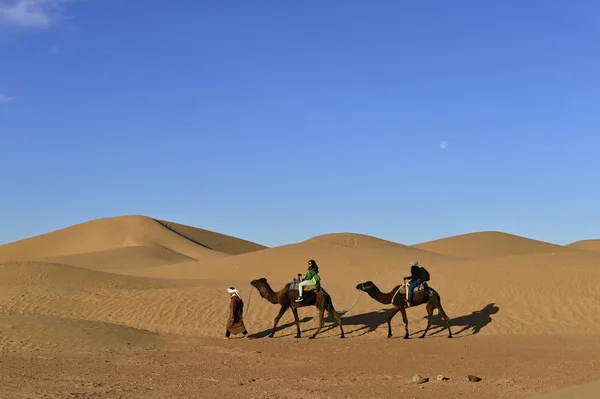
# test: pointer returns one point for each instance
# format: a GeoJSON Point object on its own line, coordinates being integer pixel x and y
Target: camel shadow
{"type": "Point", "coordinates": [475, 321]}
{"type": "Point", "coordinates": [265, 333]}
{"type": "Point", "coordinates": [365, 323]}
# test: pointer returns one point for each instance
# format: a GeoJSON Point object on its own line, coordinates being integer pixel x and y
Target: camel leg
{"type": "Point", "coordinates": [444, 316]}
{"type": "Point", "coordinates": [321, 322]}
{"type": "Point", "coordinates": [281, 313]}
{"type": "Point", "coordinates": [429, 317]}
{"type": "Point", "coordinates": [337, 318]}
{"type": "Point", "coordinates": [389, 320]}
{"type": "Point", "coordinates": [295, 312]}
{"type": "Point", "coordinates": [405, 320]}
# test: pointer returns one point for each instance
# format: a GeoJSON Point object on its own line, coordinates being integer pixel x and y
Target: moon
{"type": "Point", "coordinates": [444, 145]}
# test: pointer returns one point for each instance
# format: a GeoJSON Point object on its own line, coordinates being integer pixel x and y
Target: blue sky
{"type": "Point", "coordinates": [278, 121]}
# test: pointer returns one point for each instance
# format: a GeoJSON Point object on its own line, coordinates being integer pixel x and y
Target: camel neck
{"type": "Point", "coordinates": [270, 295]}
{"type": "Point", "coordinates": [379, 296]}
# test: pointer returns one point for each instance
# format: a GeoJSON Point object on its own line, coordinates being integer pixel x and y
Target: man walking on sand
{"type": "Point", "coordinates": [235, 321]}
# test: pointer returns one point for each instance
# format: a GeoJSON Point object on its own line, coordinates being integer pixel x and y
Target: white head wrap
{"type": "Point", "coordinates": [232, 290]}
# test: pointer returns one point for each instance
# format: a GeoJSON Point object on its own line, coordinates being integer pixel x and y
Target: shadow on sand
{"type": "Point", "coordinates": [475, 321]}
{"type": "Point", "coordinates": [365, 323]}
{"type": "Point", "coordinates": [265, 333]}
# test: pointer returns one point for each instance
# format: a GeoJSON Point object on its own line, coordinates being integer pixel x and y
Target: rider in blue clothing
{"type": "Point", "coordinates": [416, 279]}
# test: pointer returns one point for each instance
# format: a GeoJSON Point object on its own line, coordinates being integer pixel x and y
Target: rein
{"type": "Point", "coordinates": [248, 308]}
{"type": "Point", "coordinates": [360, 292]}
{"type": "Point", "coordinates": [398, 290]}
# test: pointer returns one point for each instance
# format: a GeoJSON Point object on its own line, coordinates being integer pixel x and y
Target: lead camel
{"type": "Point", "coordinates": [397, 298]}
{"type": "Point", "coordinates": [286, 298]}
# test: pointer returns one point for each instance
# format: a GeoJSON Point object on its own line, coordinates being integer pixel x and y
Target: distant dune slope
{"type": "Point", "coordinates": [587, 245]}
{"type": "Point", "coordinates": [338, 255]}
{"type": "Point", "coordinates": [212, 240]}
{"type": "Point", "coordinates": [355, 240]}
{"type": "Point", "coordinates": [489, 244]}
{"type": "Point", "coordinates": [123, 231]}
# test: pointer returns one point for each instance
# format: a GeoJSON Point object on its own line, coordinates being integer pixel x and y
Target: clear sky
{"type": "Point", "coordinates": [276, 121]}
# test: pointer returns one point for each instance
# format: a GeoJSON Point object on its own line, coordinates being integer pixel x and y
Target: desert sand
{"type": "Point", "coordinates": [133, 307]}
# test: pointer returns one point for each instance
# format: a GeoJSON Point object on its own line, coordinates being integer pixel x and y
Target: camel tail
{"type": "Point", "coordinates": [441, 311]}
{"type": "Point", "coordinates": [330, 309]}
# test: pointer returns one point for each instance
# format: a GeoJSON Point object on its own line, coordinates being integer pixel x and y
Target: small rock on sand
{"type": "Point", "coordinates": [417, 379]}
{"type": "Point", "coordinates": [442, 378]}
{"type": "Point", "coordinates": [473, 378]}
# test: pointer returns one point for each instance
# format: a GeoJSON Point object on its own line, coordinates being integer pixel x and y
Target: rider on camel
{"type": "Point", "coordinates": [311, 277]}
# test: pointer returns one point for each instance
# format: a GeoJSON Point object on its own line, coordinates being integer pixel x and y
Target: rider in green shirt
{"type": "Point", "coordinates": [311, 277]}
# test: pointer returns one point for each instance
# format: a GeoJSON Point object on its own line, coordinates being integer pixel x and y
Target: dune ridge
{"type": "Point", "coordinates": [489, 244]}
{"type": "Point", "coordinates": [587, 245]}
{"type": "Point", "coordinates": [124, 231]}
{"type": "Point", "coordinates": [213, 240]}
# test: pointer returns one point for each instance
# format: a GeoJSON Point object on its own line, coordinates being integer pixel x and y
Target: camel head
{"type": "Point", "coordinates": [260, 282]}
{"type": "Point", "coordinates": [365, 286]}
{"type": "Point", "coordinates": [264, 289]}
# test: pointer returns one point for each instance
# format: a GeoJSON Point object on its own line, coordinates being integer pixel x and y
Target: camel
{"type": "Point", "coordinates": [397, 298]}
{"type": "Point", "coordinates": [287, 299]}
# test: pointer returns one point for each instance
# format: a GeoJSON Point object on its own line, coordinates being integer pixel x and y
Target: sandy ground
{"type": "Point", "coordinates": [510, 367]}
{"type": "Point", "coordinates": [132, 307]}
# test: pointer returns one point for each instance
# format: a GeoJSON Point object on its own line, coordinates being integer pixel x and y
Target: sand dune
{"type": "Point", "coordinates": [124, 231]}
{"type": "Point", "coordinates": [353, 240]}
{"type": "Point", "coordinates": [122, 258]}
{"type": "Point", "coordinates": [34, 333]}
{"type": "Point", "coordinates": [212, 240]}
{"type": "Point", "coordinates": [587, 245]}
{"type": "Point", "coordinates": [338, 256]}
{"type": "Point", "coordinates": [489, 244]}
{"type": "Point", "coordinates": [102, 284]}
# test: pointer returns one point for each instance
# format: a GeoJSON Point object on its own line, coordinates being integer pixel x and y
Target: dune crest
{"type": "Point", "coordinates": [489, 244]}
{"type": "Point", "coordinates": [213, 240]}
{"type": "Point", "coordinates": [124, 231]}
{"type": "Point", "coordinates": [353, 240]}
{"type": "Point", "coordinates": [586, 245]}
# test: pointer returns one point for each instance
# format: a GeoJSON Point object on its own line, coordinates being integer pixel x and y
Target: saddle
{"type": "Point", "coordinates": [294, 286]}
{"type": "Point", "coordinates": [421, 287]}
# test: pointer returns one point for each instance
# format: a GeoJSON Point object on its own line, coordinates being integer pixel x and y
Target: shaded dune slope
{"type": "Point", "coordinates": [489, 244]}
{"type": "Point", "coordinates": [213, 240]}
